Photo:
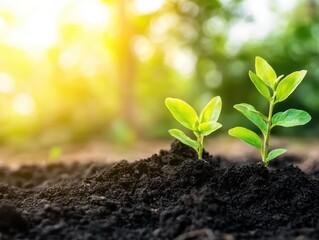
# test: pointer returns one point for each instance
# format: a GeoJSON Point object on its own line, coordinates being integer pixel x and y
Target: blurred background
{"type": "Point", "coordinates": [76, 70]}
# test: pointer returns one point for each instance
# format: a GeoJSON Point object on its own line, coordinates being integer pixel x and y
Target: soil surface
{"type": "Point", "coordinates": [170, 195]}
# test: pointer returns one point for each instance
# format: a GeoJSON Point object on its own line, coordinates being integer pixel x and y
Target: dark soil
{"type": "Point", "coordinates": [171, 195]}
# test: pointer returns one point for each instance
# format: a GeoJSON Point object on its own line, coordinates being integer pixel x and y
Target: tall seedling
{"type": "Point", "coordinates": [274, 89]}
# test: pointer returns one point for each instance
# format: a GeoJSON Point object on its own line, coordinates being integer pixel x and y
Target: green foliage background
{"type": "Point", "coordinates": [288, 49]}
{"type": "Point", "coordinates": [182, 50]}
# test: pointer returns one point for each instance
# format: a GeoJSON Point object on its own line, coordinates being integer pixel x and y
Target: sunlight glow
{"type": "Point", "coordinates": [263, 18]}
{"type": "Point", "coordinates": [23, 104]}
{"type": "Point", "coordinates": [182, 60]}
{"type": "Point", "coordinates": [37, 32]}
{"type": "Point", "coordinates": [2, 23]}
{"type": "Point", "coordinates": [28, 30]}
{"type": "Point", "coordinates": [259, 20]}
{"type": "Point", "coordinates": [161, 25]}
{"type": "Point", "coordinates": [35, 24]}
{"type": "Point", "coordinates": [147, 6]}
{"type": "Point", "coordinates": [6, 83]}
{"type": "Point", "coordinates": [190, 8]}
{"type": "Point", "coordinates": [88, 66]}
{"type": "Point", "coordinates": [91, 14]}
{"type": "Point", "coordinates": [68, 59]}
{"type": "Point", "coordinates": [143, 48]}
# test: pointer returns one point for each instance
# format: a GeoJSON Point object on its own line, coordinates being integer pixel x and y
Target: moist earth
{"type": "Point", "coordinates": [170, 195]}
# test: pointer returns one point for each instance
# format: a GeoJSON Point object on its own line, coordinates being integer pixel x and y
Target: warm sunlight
{"type": "Point", "coordinates": [76, 68]}
{"type": "Point", "coordinates": [23, 104]}
{"type": "Point", "coordinates": [67, 34]}
{"type": "Point", "coordinates": [6, 83]}
{"type": "Point", "coordinates": [35, 25]}
{"type": "Point", "coordinates": [91, 14]}
{"type": "Point", "coordinates": [147, 6]}
{"type": "Point", "coordinates": [30, 25]}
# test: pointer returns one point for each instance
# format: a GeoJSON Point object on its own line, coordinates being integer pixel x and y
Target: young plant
{"type": "Point", "coordinates": [274, 89]}
{"type": "Point", "coordinates": [201, 126]}
{"type": "Point", "coordinates": [54, 154]}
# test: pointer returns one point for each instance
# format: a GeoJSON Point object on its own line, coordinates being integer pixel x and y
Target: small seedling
{"type": "Point", "coordinates": [201, 126]}
{"type": "Point", "coordinates": [54, 154]}
{"type": "Point", "coordinates": [274, 89]}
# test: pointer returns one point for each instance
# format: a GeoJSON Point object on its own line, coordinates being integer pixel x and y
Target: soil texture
{"type": "Point", "coordinates": [170, 195]}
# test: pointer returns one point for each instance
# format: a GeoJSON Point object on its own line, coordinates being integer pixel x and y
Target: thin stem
{"type": "Point", "coordinates": [267, 136]}
{"type": "Point", "coordinates": [200, 140]}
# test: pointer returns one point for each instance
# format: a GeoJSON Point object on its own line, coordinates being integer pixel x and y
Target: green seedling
{"type": "Point", "coordinates": [54, 154]}
{"type": "Point", "coordinates": [201, 126]}
{"type": "Point", "coordinates": [274, 89]}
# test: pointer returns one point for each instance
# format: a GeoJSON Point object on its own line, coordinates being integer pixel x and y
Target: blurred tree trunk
{"type": "Point", "coordinates": [126, 64]}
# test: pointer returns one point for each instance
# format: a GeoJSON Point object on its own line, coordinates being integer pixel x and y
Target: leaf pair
{"type": "Point", "coordinates": [253, 139]}
{"type": "Point", "coordinates": [274, 89]}
{"type": "Point", "coordinates": [202, 125]}
{"type": "Point", "coordinates": [266, 79]}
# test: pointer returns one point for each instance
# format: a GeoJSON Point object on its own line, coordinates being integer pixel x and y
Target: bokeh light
{"type": "Point", "coordinates": [23, 104]}
{"type": "Point", "coordinates": [75, 69]}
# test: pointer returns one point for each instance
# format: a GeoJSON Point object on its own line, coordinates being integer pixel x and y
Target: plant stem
{"type": "Point", "coordinates": [267, 137]}
{"type": "Point", "coordinates": [200, 140]}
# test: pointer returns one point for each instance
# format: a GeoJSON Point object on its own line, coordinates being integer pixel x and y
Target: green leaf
{"type": "Point", "coordinates": [291, 118]}
{"type": "Point", "coordinates": [265, 72]}
{"type": "Point", "coordinates": [211, 111]}
{"type": "Point", "coordinates": [182, 112]}
{"type": "Point", "coordinates": [253, 115]}
{"type": "Point", "coordinates": [289, 84]}
{"type": "Point", "coordinates": [279, 78]}
{"type": "Point", "coordinates": [260, 85]}
{"type": "Point", "coordinates": [181, 136]}
{"type": "Point", "coordinates": [207, 128]}
{"type": "Point", "coordinates": [246, 135]}
{"type": "Point", "coordinates": [275, 153]}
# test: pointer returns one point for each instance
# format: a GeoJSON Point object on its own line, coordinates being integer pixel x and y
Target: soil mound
{"type": "Point", "coordinates": [171, 195]}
